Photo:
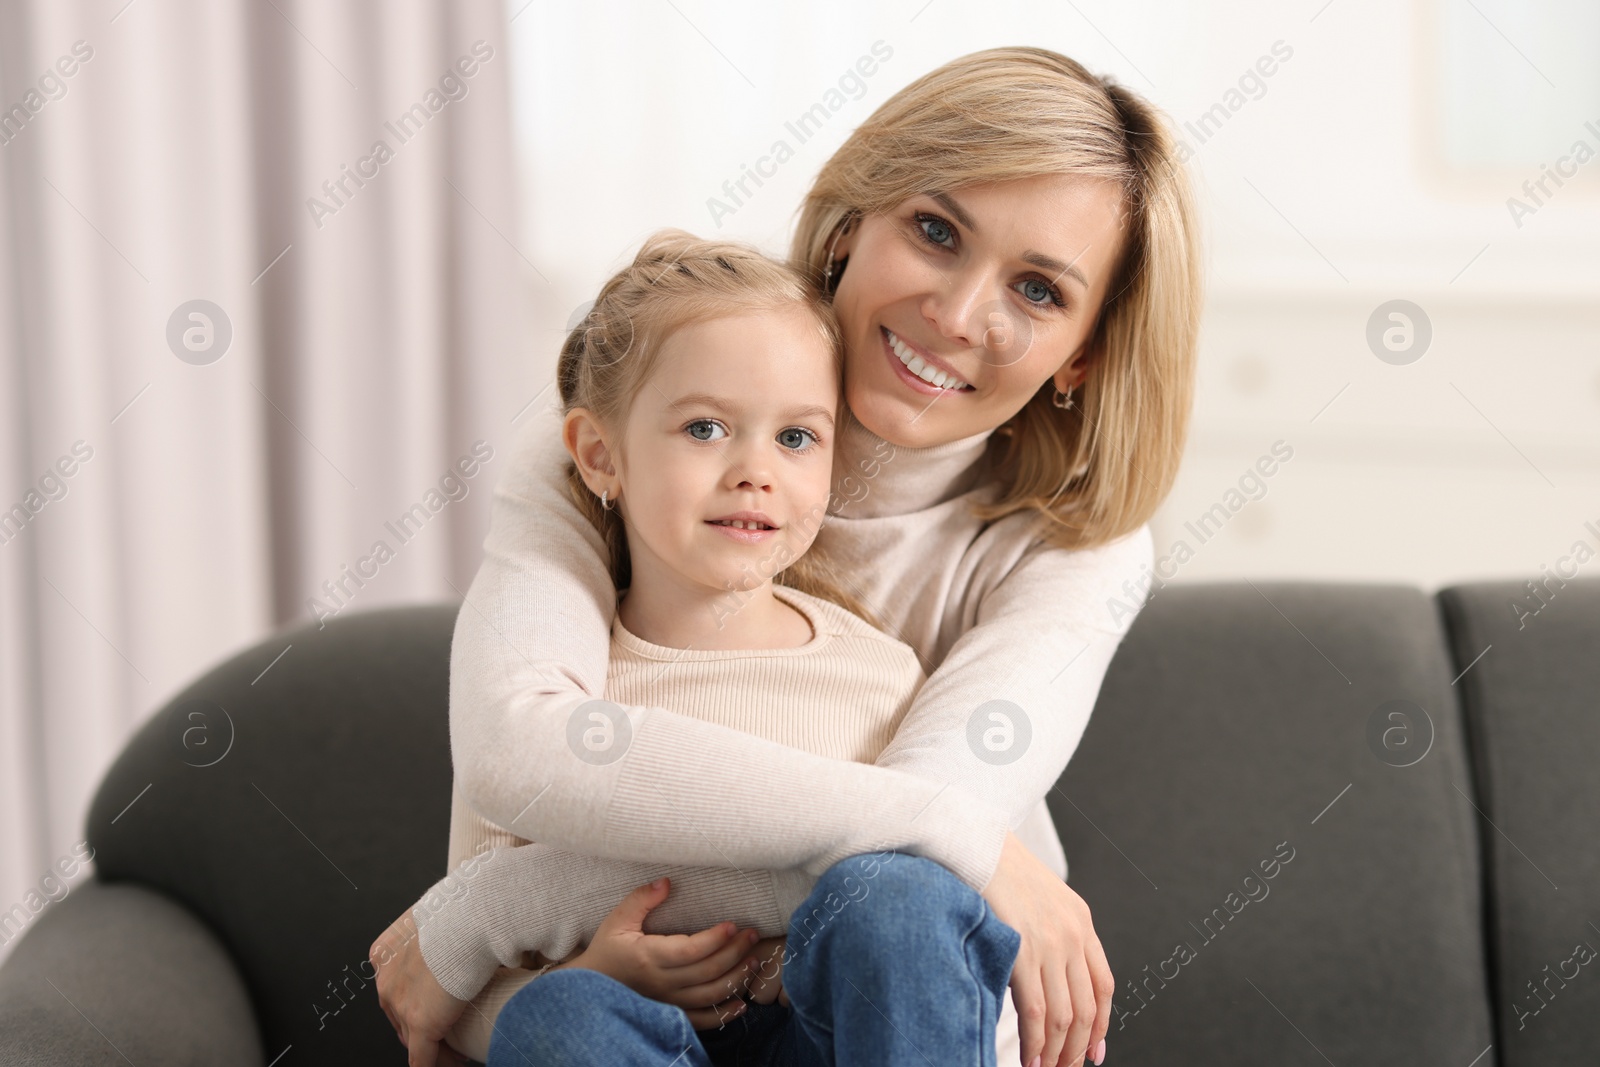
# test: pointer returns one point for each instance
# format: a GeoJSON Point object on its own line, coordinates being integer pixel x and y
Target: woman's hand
{"type": "Point", "coordinates": [418, 1008]}
{"type": "Point", "coordinates": [701, 973]}
{"type": "Point", "coordinates": [1061, 983]}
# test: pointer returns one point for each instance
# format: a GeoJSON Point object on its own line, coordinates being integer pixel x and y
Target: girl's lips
{"type": "Point", "coordinates": [904, 373]}
{"type": "Point", "coordinates": [743, 536]}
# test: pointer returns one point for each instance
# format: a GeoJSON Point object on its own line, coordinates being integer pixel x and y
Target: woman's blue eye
{"type": "Point", "coordinates": [935, 230]}
{"type": "Point", "coordinates": [706, 430]}
{"type": "Point", "coordinates": [796, 438]}
{"type": "Point", "coordinates": [1038, 292]}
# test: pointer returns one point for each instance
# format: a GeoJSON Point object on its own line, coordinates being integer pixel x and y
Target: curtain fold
{"type": "Point", "coordinates": [328, 186]}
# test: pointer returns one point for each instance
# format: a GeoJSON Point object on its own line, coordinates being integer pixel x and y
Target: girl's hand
{"type": "Point", "coordinates": [701, 973]}
{"type": "Point", "coordinates": [418, 1008]}
{"type": "Point", "coordinates": [1061, 983]}
{"type": "Point", "coordinates": [766, 985]}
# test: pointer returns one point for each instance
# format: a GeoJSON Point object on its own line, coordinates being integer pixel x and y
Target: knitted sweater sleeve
{"type": "Point", "coordinates": [1040, 627]}
{"type": "Point", "coordinates": [530, 652]}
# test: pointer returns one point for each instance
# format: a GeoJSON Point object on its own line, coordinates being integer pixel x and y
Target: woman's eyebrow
{"type": "Point", "coordinates": [1038, 259]}
{"type": "Point", "coordinates": [948, 202]}
{"type": "Point", "coordinates": [1050, 263]}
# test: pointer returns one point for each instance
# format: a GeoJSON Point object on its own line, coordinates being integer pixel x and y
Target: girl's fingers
{"type": "Point", "coordinates": [729, 984]}
{"type": "Point", "coordinates": [720, 961]}
{"type": "Point", "coordinates": [634, 908]}
{"type": "Point", "coordinates": [713, 1017]}
{"type": "Point", "coordinates": [1060, 1019]}
{"type": "Point", "coordinates": [1027, 994]}
{"type": "Point", "coordinates": [681, 950]}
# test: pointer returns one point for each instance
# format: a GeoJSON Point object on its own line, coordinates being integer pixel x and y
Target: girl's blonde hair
{"type": "Point", "coordinates": [676, 280]}
{"type": "Point", "coordinates": [1099, 470]}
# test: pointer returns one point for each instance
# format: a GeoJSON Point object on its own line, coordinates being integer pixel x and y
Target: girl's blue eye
{"type": "Point", "coordinates": [706, 430]}
{"type": "Point", "coordinates": [796, 438]}
{"type": "Point", "coordinates": [1039, 292]}
{"type": "Point", "coordinates": [935, 229]}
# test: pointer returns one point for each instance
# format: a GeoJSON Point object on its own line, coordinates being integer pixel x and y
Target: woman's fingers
{"type": "Point", "coordinates": [1085, 1012]}
{"type": "Point", "coordinates": [1060, 1018]}
{"type": "Point", "coordinates": [1105, 984]}
{"type": "Point", "coordinates": [1027, 994]}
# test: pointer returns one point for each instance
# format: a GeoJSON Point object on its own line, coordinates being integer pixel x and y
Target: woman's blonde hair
{"type": "Point", "coordinates": [676, 280]}
{"type": "Point", "coordinates": [1098, 470]}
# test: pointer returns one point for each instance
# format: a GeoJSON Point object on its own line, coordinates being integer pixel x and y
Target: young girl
{"type": "Point", "coordinates": [700, 396]}
{"type": "Point", "coordinates": [1009, 244]}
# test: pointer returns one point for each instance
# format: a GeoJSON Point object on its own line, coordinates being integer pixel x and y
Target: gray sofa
{"type": "Point", "coordinates": [1317, 824]}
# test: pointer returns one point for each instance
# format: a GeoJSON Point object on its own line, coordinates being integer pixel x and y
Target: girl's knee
{"type": "Point", "coordinates": [883, 895]}
{"type": "Point", "coordinates": [891, 874]}
{"type": "Point", "coordinates": [563, 1017]}
{"type": "Point", "coordinates": [557, 995]}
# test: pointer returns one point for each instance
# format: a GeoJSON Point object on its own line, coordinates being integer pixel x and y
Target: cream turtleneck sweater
{"type": "Point", "coordinates": [993, 614]}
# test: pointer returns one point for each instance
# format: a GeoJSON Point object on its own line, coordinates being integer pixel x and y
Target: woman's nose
{"type": "Point", "coordinates": [952, 309]}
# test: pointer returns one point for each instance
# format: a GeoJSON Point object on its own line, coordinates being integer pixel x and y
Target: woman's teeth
{"type": "Point", "coordinates": [738, 525]}
{"type": "Point", "coordinates": [928, 373]}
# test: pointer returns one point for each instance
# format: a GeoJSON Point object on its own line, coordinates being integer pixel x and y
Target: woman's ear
{"type": "Point", "coordinates": [1076, 368]}
{"type": "Point", "coordinates": [591, 453]}
{"type": "Point", "coordinates": [844, 238]}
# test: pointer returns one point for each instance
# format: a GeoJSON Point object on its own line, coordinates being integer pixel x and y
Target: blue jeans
{"type": "Point", "coordinates": [891, 961]}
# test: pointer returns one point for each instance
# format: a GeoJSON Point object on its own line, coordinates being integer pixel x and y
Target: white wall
{"type": "Point", "coordinates": [1338, 187]}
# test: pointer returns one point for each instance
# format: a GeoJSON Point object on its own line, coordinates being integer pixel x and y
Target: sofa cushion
{"type": "Point", "coordinates": [1532, 698]}
{"type": "Point", "coordinates": [1279, 857]}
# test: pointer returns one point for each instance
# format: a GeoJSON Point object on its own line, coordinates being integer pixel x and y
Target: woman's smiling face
{"type": "Point", "coordinates": [956, 307]}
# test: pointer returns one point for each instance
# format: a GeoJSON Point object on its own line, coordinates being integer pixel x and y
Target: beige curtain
{"type": "Point", "coordinates": [334, 181]}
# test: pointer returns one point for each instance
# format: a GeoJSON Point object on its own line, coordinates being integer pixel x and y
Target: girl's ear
{"type": "Point", "coordinates": [586, 443]}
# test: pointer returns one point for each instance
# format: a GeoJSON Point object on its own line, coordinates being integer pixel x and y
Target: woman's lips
{"type": "Point", "coordinates": [904, 373]}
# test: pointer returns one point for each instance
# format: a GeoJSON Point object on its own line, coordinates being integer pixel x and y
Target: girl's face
{"type": "Point", "coordinates": [726, 456]}
{"type": "Point", "coordinates": [988, 290]}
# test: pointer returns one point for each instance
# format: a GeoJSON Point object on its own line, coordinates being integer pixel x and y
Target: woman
{"type": "Point", "coordinates": [1009, 243]}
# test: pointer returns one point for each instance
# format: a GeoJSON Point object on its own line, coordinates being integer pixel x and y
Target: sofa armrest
{"type": "Point", "coordinates": [118, 973]}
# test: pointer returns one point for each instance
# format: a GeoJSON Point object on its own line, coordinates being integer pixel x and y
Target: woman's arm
{"type": "Point", "coordinates": [1042, 626]}
{"type": "Point", "coordinates": [530, 649]}
{"type": "Point", "coordinates": [492, 908]}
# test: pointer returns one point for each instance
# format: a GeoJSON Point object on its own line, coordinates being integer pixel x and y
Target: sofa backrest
{"type": "Point", "coordinates": [1281, 815]}
{"type": "Point", "coordinates": [297, 805]}
{"type": "Point", "coordinates": [1270, 817]}
{"type": "Point", "coordinates": [1532, 700]}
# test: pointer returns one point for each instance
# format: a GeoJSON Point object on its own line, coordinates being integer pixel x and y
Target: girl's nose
{"type": "Point", "coordinates": [749, 468]}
